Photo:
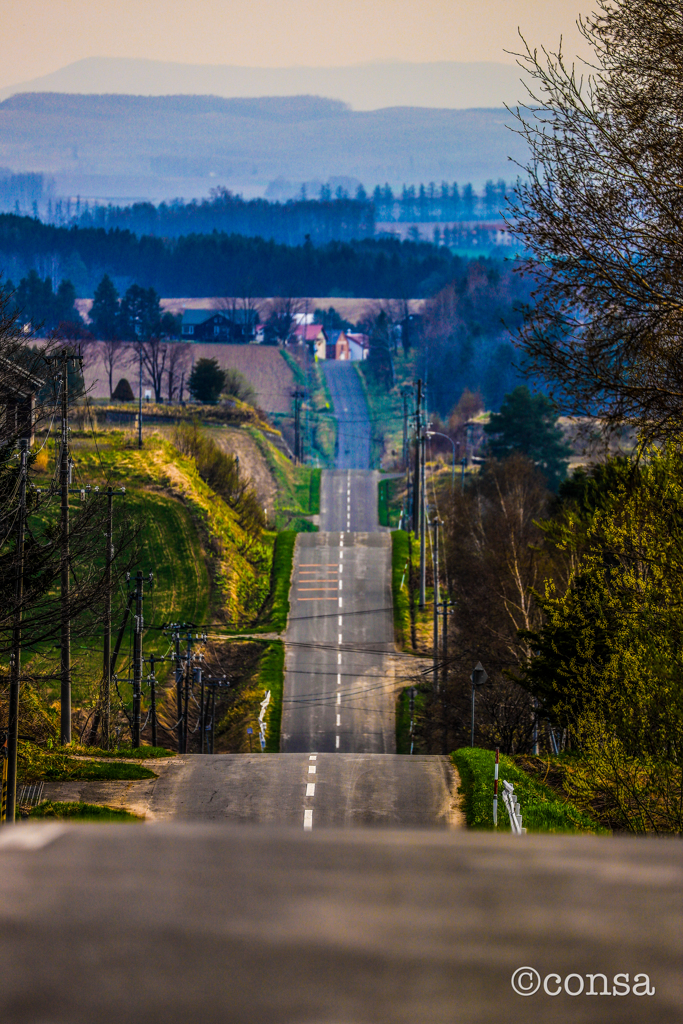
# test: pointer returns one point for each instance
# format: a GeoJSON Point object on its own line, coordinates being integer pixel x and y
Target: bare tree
{"type": "Point", "coordinates": [281, 313]}
{"type": "Point", "coordinates": [154, 352]}
{"type": "Point", "coordinates": [115, 354]}
{"type": "Point", "coordinates": [601, 216]}
{"type": "Point", "coordinates": [177, 366]}
{"type": "Point", "coordinates": [494, 559]}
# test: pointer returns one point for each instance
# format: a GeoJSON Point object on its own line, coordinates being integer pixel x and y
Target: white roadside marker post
{"type": "Point", "coordinates": [495, 791]}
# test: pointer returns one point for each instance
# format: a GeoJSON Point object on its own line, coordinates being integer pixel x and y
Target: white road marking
{"type": "Point", "coordinates": [310, 789]}
{"type": "Point", "coordinates": [338, 678]}
{"type": "Point", "coordinates": [313, 757]}
{"type": "Point", "coordinates": [338, 719]}
{"type": "Point", "coordinates": [340, 600]}
{"type": "Point", "coordinates": [308, 819]}
{"type": "Point", "coordinates": [339, 658]}
{"type": "Point", "coordinates": [311, 769]}
{"type": "Point", "coordinates": [340, 584]}
{"type": "Point", "coordinates": [337, 743]}
{"type": "Point", "coordinates": [340, 638]}
{"type": "Point", "coordinates": [340, 620]}
{"type": "Point", "coordinates": [339, 698]}
{"type": "Point", "coordinates": [341, 555]}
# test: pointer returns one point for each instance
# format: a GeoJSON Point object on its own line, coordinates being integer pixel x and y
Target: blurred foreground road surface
{"type": "Point", "coordinates": [170, 923]}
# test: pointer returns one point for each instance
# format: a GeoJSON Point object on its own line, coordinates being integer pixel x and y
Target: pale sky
{"type": "Point", "coordinates": [41, 36]}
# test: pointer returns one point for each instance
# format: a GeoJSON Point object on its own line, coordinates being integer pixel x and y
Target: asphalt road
{"type": "Point", "coordinates": [354, 428]}
{"type": "Point", "coordinates": [106, 924]}
{"type": "Point", "coordinates": [303, 791]}
{"type": "Point", "coordinates": [348, 501]}
{"type": "Point", "coordinates": [339, 692]}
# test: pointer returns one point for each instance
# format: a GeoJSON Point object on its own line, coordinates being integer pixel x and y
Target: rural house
{"type": "Point", "coordinates": [314, 335]}
{"type": "Point", "coordinates": [237, 327]}
{"type": "Point", "coordinates": [359, 346]}
{"type": "Point", "coordinates": [337, 345]}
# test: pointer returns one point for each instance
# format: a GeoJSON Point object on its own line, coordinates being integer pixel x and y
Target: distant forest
{"type": "Point", "coordinates": [223, 264]}
{"type": "Point", "coordinates": [329, 216]}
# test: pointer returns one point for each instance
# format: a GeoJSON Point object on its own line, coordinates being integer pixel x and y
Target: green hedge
{"type": "Point", "coordinates": [399, 560]}
{"type": "Point", "coordinates": [542, 809]}
{"type": "Point", "coordinates": [271, 677]}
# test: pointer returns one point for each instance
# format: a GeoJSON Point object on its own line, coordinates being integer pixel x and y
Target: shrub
{"type": "Point", "coordinates": [123, 392]}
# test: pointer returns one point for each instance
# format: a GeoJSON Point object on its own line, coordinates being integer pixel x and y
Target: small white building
{"type": "Point", "coordinates": [359, 346]}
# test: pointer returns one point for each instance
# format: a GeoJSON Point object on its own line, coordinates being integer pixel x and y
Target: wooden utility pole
{"type": "Point", "coordinates": [416, 475]}
{"type": "Point", "coordinates": [137, 660]}
{"type": "Point", "coordinates": [423, 517]}
{"type": "Point", "coordinates": [106, 661]}
{"type": "Point", "coordinates": [65, 694]}
{"type": "Point", "coordinates": [15, 666]}
{"type": "Point", "coordinates": [435, 566]}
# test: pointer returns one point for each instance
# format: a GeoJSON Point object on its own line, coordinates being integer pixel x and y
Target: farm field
{"type": "Point", "coordinates": [262, 365]}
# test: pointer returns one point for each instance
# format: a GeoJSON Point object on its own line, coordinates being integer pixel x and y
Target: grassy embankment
{"type": "Point", "coordinates": [322, 432]}
{"type": "Point", "coordinates": [273, 619]}
{"type": "Point", "coordinates": [59, 810]}
{"type": "Point", "coordinates": [543, 810]}
{"type": "Point", "coordinates": [389, 501]}
{"type": "Point", "coordinates": [386, 410]}
{"type": "Point", "coordinates": [206, 568]}
{"type": "Point", "coordinates": [36, 764]}
{"type": "Point", "coordinates": [410, 624]}
{"type": "Point", "coordinates": [298, 488]}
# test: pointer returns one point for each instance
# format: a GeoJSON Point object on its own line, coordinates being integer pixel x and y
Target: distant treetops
{"type": "Point", "coordinates": [528, 424]}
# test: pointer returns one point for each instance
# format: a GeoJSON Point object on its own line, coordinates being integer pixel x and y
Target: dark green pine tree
{"type": "Point", "coordinates": [105, 310]}
{"type": "Point", "coordinates": [528, 423]}
{"type": "Point", "coordinates": [206, 381]}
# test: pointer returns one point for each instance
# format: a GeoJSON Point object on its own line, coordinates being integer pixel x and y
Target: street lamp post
{"type": "Point", "coordinates": [437, 433]}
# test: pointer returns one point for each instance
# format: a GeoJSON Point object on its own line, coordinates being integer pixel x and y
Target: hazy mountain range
{"type": "Point", "coordinates": [447, 84]}
{"type": "Point", "coordinates": [123, 147]}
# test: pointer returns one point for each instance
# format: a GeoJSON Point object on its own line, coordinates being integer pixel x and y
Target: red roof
{"type": "Point", "coordinates": [309, 332]}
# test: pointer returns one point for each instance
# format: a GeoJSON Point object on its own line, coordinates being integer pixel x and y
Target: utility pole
{"type": "Point", "coordinates": [423, 517]}
{"type": "Point", "coordinates": [298, 395]}
{"type": "Point", "coordinates": [179, 691]}
{"type": "Point", "coordinates": [137, 660]}
{"type": "Point", "coordinates": [435, 566]}
{"type": "Point", "coordinates": [405, 392]}
{"type": "Point", "coordinates": [184, 677]}
{"type": "Point", "coordinates": [202, 714]}
{"type": "Point", "coordinates": [64, 473]}
{"type": "Point", "coordinates": [106, 663]}
{"type": "Point", "coordinates": [140, 398]}
{"type": "Point", "coordinates": [15, 675]}
{"type": "Point", "coordinates": [416, 475]}
{"type": "Point", "coordinates": [153, 699]}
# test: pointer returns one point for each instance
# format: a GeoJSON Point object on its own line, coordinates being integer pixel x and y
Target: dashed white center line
{"type": "Point", "coordinates": [337, 743]}
{"type": "Point", "coordinates": [313, 757]}
{"type": "Point", "coordinates": [338, 719]}
{"type": "Point", "coordinates": [311, 769]}
{"type": "Point", "coordinates": [340, 584]}
{"type": "Point", "coordinates": [340, 601]}
{"type": "Point", "coordinates": [340, 638]}
{"type": "Point", "coordinates": [310, 789]}
{"type": "Point", "coordinates": [338, 678]}
{"type": "Point", "coordinates": [340, 620]}
{"type": "Point", "coordinates": [339, 658]}
{"type": "Point", "coordinates": [308, 819]}
{"type": "Point", "coordinates": [339, 698]}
